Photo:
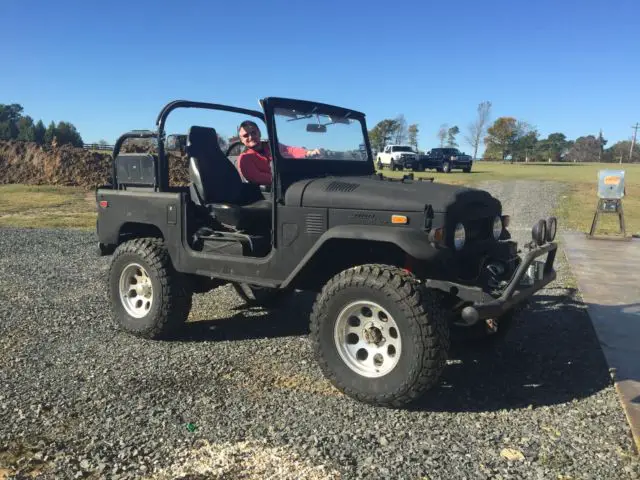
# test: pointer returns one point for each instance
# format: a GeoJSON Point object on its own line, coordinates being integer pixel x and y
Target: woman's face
{"type": "Point", "coordinates": [250, 136]}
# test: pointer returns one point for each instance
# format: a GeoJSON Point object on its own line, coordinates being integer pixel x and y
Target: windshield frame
{"type": "Point", "coordinates": [316, 167]}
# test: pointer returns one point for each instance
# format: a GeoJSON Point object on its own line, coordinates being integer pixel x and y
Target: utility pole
{"type": "Point", "coordinates": [600, 149]}
{"type": "Point", "coordinates": [633, 141]}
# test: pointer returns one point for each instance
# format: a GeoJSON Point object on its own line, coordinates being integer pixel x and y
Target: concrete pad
{"type": "Point", "coordinates": [608, 275]}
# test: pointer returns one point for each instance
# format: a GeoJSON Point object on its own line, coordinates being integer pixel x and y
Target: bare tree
{"type": "Point", "coordinates": [443, 133]}
{"type": "Point", "coordinates": [413, 135]}
{"type": "Point", "coordinates": [451, 136]}
{"type": "Point", "coordinates": [476, 130]}
{"type": "Point", "coordinates": [401, 132]}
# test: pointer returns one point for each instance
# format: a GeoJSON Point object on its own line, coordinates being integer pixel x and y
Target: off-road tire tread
{"type": "Point", "coordinates": [427, 320]}
{"type": "Point", "coordinates": [175, 300]}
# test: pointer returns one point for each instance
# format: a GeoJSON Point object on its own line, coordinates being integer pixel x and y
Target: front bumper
{"type": "Point", "coordinates": [515, 291]}
{"type": "Point", "coordinates": [520, 287]}
{"type": "Point", "coordinates": [407, 162]}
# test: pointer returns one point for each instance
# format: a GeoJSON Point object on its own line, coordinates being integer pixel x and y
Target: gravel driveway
{"type": "Point", "coordinates": [240, 395]}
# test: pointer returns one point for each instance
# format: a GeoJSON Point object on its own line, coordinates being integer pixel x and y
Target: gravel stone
{"type": "Point", "coordinates": [76, 394]}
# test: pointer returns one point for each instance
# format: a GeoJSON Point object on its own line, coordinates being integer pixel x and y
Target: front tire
{"type": "Point", "coordinates": [379, 335]}
{"type": "Point", "coordinates": [148, 298]}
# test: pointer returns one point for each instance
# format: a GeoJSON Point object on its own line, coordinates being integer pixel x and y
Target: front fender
{"type": "Point", "coordinates": [413, 242]}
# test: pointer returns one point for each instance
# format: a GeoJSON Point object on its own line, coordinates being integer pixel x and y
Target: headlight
{"type": "Point", "coordinates": [552, 227]}
{"type": "Point", "coordinates": [497, 227]}
{"type": "Point", "coordinates": [459, 236]}
{"type": "Point", "coordinates": [539, 232]}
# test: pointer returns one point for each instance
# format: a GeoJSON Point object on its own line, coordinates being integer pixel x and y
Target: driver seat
{"type": "Point", "coordinates": [216, 186]}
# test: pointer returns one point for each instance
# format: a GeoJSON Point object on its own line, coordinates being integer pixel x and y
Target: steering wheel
{"type": "Point", "coordinates": [232, 146]}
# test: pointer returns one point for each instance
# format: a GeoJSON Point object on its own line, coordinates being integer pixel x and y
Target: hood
{"type": "Point", "coordinates": [373, 193]}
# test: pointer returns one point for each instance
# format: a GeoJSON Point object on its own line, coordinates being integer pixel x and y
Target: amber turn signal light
{"type": "Point", "coordinates": [401, 219]}
{"type": "Point", "coordinates": [436, 235]}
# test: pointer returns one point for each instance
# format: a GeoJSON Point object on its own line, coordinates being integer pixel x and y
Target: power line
{"type": "Point", "coordinates": [633, 141]}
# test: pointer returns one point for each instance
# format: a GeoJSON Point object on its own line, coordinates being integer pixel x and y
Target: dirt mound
{"type": "Point", "coordinates": [33, 164]}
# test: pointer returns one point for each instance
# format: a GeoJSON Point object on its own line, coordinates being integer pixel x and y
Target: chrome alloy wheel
{"type": "Point", "coordinates": [367, 339]}
{"type": "Point", "coordinates": [136, 291]}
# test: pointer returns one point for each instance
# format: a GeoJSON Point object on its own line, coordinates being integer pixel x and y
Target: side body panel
{"type": "Point", "coordinates": [125, 208]}
{"type": "Point", "coordinates": [301, 233]}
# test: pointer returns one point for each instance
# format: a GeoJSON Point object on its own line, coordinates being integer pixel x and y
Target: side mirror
{"type": "Point", "coordinates": [314, 127]}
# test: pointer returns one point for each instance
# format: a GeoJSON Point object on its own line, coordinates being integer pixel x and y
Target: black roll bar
{"type": "Point", "coordinates": [163, 168]}
{"type": "Point", "coordinates": [120, 141]}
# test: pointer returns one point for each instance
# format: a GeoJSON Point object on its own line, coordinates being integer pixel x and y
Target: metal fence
{"type": "Point", "coordinates": [97, 146]}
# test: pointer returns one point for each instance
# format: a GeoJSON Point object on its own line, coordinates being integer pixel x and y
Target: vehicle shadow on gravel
{"type": "Point", "coordinates": [550, 356]}
{"type": "Point", "coordinates": [288, 320]}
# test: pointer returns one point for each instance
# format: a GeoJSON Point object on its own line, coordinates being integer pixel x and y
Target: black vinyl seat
{"type": "Point", "coordinates": [216, 185]}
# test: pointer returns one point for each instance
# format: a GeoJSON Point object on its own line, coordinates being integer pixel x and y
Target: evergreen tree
{"type": "Point", "coordinates": [39, 132]}
{"type": "Point", "coordinates": [50, 133]}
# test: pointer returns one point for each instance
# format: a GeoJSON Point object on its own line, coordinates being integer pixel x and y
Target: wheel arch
{"type": "Point", "coordinates": [131, 230]}
{"type": "Point", "coordinates": [350, 245]}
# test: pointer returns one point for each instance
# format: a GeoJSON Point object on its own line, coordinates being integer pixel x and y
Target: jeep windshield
{"type": "Point", "coordinates": [318, 133]}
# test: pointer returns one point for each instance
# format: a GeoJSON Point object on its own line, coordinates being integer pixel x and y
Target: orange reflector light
{"type": "Point", "coordinates": [104, 203]}
{"type": "Point", "coordinates": [437, 235]}
{"type": "Point", "coordinates": [399, 219]}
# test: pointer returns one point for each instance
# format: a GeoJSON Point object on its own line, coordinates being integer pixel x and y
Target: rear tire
{"type": "Point", "coordinates": [148, 297]}
{"type": "Point", "coordinates": [446, 167]}
{"type": "Point", "coordinates": [379, 336]}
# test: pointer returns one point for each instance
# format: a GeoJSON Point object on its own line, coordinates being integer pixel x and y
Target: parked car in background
{"type": "Point", "coordinates": [397, 157]}
{"type": "Point", "coordinates": [445, 160]}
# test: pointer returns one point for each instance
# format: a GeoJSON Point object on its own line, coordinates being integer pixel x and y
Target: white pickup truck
{"type": "Point", "coordinates": [397, 157]}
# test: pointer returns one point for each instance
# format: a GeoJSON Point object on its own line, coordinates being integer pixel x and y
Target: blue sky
{"type": "Point", "coordinates": [108, 67]}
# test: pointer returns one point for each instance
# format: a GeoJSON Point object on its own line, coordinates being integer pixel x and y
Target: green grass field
{"type": "Point", "coordinates": [46, 207]}
{"type": "Point", "coordinates": [51, 206]}
{"type": "Point", "coordinates": [577, 206]}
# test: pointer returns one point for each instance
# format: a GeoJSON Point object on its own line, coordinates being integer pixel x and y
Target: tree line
{"type": "Point", "coordinates": [507, 138]}
{"type": "Point", "coordinates": [16, 126]}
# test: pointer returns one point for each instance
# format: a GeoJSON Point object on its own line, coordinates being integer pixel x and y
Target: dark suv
{"type": "Point", "coordinates": [396, 264]}
{"type": "Point", "coordinates": [445, 160]}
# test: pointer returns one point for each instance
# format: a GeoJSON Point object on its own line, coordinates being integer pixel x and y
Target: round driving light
{"type": "Point", "coordinates": [497, 227]}
{"type": "Point", "coordinates": [552, 227]}
{"type": "Point", "coordinates": [539, 232]}
{"type": "Point", "coordinates": [459, 236]}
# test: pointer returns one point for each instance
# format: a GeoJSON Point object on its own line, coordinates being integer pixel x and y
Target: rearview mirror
{"type": "Point", "coordinates": [314, 127]}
